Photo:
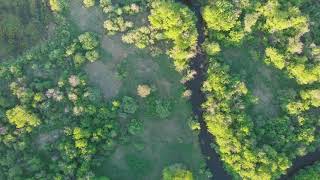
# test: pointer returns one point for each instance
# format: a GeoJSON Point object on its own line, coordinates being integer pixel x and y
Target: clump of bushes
{"type": "Point", "coordinates": [176, 172]}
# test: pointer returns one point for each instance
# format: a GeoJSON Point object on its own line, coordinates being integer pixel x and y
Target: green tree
{"type": "Point", "coordinates": [221, 16]}
{"type": "Point", "coordinates": [92, 56]}
{"type": "Point", "coordinates": [21, 118]}
{"type": "Point", "coordinates": [57, 5]}
{"type": "Point", "coordinates": [178, 24]}
{"type": "Point", "coordinates": [308, 173]}
{"type": "Point", "coordinates": [274, 57]}
{"type": "Point", "coordinates": [88, 41]}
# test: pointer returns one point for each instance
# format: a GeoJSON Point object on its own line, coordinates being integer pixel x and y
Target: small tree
{"type": "Point", "coordinates": [88, 41]}
{"type": "Point", "coordinates": [55, 5]}
{"type": "Point", "coordinates": [92, 56]}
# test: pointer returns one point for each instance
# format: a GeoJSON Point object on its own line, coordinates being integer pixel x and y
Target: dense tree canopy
{"type": "Point", "coordinates": [21, 118]}
{"type": "Point", "coordinates": [221, 16]}
{"type": "Point", "coordinates": [310, 172]}
{"type": "Point", "coordinates": [246, 144]}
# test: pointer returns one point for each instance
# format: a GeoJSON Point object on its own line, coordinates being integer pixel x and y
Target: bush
{"type": "Point", "coordinates": [163, 108]}
{"type": "Point", "coordinates": [129, 105]}
{"type": "Point", "coordinates": [176, 172]}
{"type": "Point", "coordinates": [135, 127]}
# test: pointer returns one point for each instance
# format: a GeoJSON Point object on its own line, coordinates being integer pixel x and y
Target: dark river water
{"type": "Point", "coordinates": [199, 64]}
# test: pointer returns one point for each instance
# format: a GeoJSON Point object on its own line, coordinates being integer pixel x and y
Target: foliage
{"type": "Point", "coordinates": [138, 165]}
{"type": "Point", "coordinates": [229, 105]}
{"type": "Point", "coordinates": [135, 127]}
{"type": "Point", "coordinates": [310, 172]}
{"type": "Point", "coordinates": [176, 172]}
{"type": "Point", "coordinates": [20, 31]}
{"type": "Point", "coordinates": [55, 5]}
{"type": "Point", "coordinates": [115, 13]}
{"type": "Point", "coordinates": [221, 16]}
{"type": "Point", "coordinates": [177, 22]}
{"type": "Point", "coordinates": [142, 37]}
{"type": "Point", "coordinates": [45, 84]}
{"type": "Point", "coordinates": [88, 41]}
{"type": "Point", "coordinates": [21, 118]}
{"type": "Point", "coordinates": [88, 3]}
{"type": "Point", "coordinates": [211, 48]}
{"type": "Point", "coordinates": [129, 105]}
{"type": "Point", "coordinates": [163, 108]}
{"type": "Point", "coordinates": [273, 56]}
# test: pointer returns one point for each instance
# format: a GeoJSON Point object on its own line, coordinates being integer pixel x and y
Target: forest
{"type": "Point", "coordinates": [127, 89]}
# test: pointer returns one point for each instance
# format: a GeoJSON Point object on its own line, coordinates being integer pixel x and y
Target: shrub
{"type": "Point", "coordinates": [92, 56]}
{"type": "Point", "coordinates": [163, 108]}
{"type": "Point", "coordinates": [129, 105]}
{"type": "Point", "coordinates": [176, 172]}
{"type": "Point", "coordinates": [135, 127]}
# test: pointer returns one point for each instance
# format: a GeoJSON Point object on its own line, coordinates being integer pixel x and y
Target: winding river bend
{"type": "Point", "coordinates": [199, 64]}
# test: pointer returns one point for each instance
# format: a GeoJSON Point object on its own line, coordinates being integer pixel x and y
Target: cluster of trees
{"type": "Point", "coordinates": [177, 23]}
{"type": "Point", "coordinates": [51, 91]}
{"type": "Point", "coordinates": [223, 21]}
{"type": "Point", "coordinates": [116, 13]}
{"type": "Point", "coordinates": [310, 172]}
{"type": "Point", "coordinates": [22, 23]}
{"type": "Point", "coordinates": [83, 49]}
{"type": "Point", "coordinates": [245, 145]}
{"type": "Point", "coordinates": [169, 21]}
{"type": "Point", "coordinates": [46, 90]}
{"type": "Point", "coordinates": [233, 129]}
